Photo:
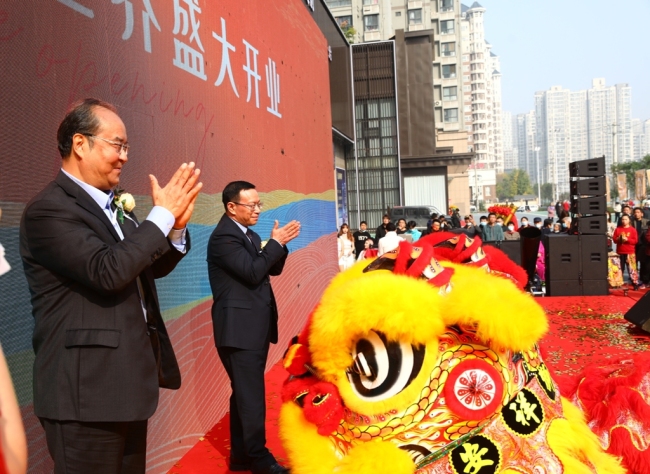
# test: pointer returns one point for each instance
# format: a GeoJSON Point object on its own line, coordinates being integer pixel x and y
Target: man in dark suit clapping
{"type": "Point", "coordinates": [101, 346]}
{"type": "Point", "coordinates": [245, 318]}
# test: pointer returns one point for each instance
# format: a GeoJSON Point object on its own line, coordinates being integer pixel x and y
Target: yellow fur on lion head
{"type": "Point", "coordinates": [477, 320]}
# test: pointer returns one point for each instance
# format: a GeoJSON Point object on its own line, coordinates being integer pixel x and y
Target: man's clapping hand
{"type": "Point", "coordinates": [286, 233]}
{"type": "Point", "coordinates": [179, 195]}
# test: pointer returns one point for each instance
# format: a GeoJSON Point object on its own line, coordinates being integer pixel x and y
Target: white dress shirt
{"type": "Point", "coordinates": [389, 242]}
{"type": "Point", "coordinates": [160, 216]}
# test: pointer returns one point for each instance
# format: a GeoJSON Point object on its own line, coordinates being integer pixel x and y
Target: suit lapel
{"type": "Point", "coordinates": [256, 241]}
{"type": "Point", "coordinates": [252, 244]}
{"type": "Point", "coordinates": [85, 201]}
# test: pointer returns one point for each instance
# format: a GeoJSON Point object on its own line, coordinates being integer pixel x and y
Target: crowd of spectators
{"type": "Point", "coordinates": [627, 232]}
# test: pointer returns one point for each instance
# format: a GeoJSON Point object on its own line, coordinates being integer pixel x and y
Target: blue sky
{"type": "Point", "coordinates": [568, 43]}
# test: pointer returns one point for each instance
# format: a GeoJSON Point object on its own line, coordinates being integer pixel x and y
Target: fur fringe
{"type": "Point", "coordinates": [577, 448]}
{"type": "Point", "coordinates": [637, 462]}
{"type": "Point", "coordinates": [606, 393]}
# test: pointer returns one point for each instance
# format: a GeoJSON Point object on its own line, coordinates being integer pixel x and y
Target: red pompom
{"type": "Point", "coordinates": [323, 407]}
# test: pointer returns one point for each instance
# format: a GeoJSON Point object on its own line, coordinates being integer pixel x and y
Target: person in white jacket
{"type": "Point", "coordinates": [390, 241]}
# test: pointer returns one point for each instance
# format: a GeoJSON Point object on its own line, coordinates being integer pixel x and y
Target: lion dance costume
{"type": "Point", "coordinates": [410, 364]}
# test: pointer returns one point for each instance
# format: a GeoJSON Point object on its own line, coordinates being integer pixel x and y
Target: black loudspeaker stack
{"type": "Point", "coordinates": [576, 263]}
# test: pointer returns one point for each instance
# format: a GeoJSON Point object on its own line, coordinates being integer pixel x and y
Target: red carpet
{"type": "Point", "coordinates": [211, 452]}
{"type": "Point", "coordinates": [583, 330]}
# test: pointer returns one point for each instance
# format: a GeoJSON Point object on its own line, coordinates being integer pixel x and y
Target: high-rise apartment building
{"type": "Point", "coordinates": [623, 122]}
{"type": "Point", "coordinates": [524, 137]}
{"type": "Point", "coordinates": [609, 121]}
{"type": "Point", "coordinates": [482, 83]}
{"type": "Point", "coordinates": [646, 133]}
{"type": "Point", "coordinates": [553, 113]}
{"type": "Point", "coordinates": [640, 138]}
{"type": "Point", "coordinates": [577, 125]}
{"type": "Point", "coordinates": [467, 81]}
{"type": "Point", "coordinates": [510, 154]}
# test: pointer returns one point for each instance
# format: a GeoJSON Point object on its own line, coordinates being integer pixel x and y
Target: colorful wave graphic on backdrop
{"type": "Point", "coordinates": [173, 115]}
{"type": "Point", "coordinates": [184, 289]}
{"type": "Point", "coordinates": [185, 299]}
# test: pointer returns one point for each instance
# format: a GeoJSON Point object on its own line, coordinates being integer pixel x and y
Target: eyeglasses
{"type": "Point", "coordinates": [121, 147]}
{"type": "Point", "coordinates": [251, 206]}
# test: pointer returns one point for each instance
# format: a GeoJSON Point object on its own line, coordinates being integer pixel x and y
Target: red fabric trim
{"type": "Point", "coordinates": [403, 257]}
{"type": "Point", "coordinates": [442, 278]}
{"type": "Point", "coordinates": [499, 261]}
{"type": "Point", "coordinates": [605, 394]}
{"type": "Point", "coordinates": [466, 253]}
{"type": "Point", "coordinates": [435, 238]}
{"type": "Point", "coordinates": [422, 261]}
{"type": "Point", "coordinates": [633, 460]}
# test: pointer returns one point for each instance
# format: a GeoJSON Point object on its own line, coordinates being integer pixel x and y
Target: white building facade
{"type": "Point", "coordinates": [483, 85]}
{"type": "Point", "coordinates": [578, 125]}
{"type": "Point", "coordinates": [525, 126]}
{"type": "Point", "coordinates": [467, 81]}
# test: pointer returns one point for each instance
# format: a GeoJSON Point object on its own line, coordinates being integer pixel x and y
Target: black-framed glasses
{"type": "Point", "coordinates": [121, 147]}
{"type": "Point", "coordinates": [251, 206]}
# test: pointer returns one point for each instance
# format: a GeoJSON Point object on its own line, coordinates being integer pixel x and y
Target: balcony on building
{"type": "Point", "coordinates": [371, 28]}
{"type": "Point", "coordinates": [450, 93]}
{"type": "Point", "coordinates": [448, 71]}
{"type": "Point", "coordinates": [447, 27]}
{"type": "Point", "coordinates": [370, 7]}
{"type": "Point", "coordinates": [447, 49]}
{"type": "Point", "coordinates": [446, 6]}
{"type": "Point", "coordinates": [338, 3]}
{"type": "Point", "coordinates": [415, 19]}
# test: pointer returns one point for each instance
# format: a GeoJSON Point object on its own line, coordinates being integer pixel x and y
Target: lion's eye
{"type": "Point", "coordinates": [381, 369]}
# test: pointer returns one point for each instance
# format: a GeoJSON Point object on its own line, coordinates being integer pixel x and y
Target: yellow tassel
{"type": "Point", "coordinates": [577, 447]}
{"type": "Point", "coordinates": [309, 452]}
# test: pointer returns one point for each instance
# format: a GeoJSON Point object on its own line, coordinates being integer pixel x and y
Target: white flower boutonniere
{"type": "Point", "coordinates": [263, 244]}
{"type": "Point", "coordinates": [125, 202]}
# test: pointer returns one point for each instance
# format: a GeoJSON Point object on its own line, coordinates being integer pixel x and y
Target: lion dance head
{"type": "Point", "coordinates": [426, 361]}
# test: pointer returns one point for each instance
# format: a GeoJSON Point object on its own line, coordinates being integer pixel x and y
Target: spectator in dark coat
{"type": "Point", "coordinates": [381, 230]}
{"type": "Point", "coordinates": [640, 224]}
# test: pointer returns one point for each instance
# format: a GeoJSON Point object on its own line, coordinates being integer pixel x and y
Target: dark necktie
{"type": "Point", "coordinates": [249, 234]}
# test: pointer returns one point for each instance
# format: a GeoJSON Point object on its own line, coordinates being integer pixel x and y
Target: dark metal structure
{"type": "Point", "coordinates": [374, 182]}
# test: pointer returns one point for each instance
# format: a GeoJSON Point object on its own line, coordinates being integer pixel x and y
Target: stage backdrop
{"type": "Point", "coordinates": [239, 86]}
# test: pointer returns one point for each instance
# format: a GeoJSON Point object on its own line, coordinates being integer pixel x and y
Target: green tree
{"type": "Point", "coordinates": [349, 31]}
{"type": "Point", "coordinates": [546, 190]}
{"type": "Point", "coordinates": [512, 184]}
{"type": "Point", "coordinates": [629, 167]}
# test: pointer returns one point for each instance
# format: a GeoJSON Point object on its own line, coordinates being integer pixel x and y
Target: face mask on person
{"type": "Point", "coordinates": [511, 228]}
{"type": "Point", "coordinates": [483, 223]}
{"type": "Point", "coordinates": [538, 225]}
{"type": "Point", "coordinates": [564, 226]}
{"type": "Point", "coordinates": [524, 223]}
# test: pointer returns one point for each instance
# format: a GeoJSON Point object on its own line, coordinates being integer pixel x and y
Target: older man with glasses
{"type": "Point", "coordinates": [102, 350]}
{"type": "Point", "coordinates": [245, 318]}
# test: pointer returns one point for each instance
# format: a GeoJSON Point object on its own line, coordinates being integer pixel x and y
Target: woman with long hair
{"type": "Point", "coordinates": [345, 243]}
{"type": "Point", "coordinates": [625, 238]}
